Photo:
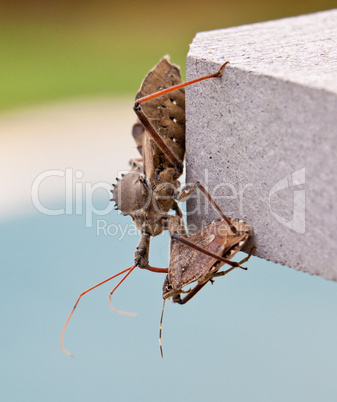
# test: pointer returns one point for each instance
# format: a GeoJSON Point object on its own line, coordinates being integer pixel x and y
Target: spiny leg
{"type": "Point", "coordinates": [82, 294]}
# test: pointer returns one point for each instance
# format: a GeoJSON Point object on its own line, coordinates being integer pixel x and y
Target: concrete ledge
{"type": "Point", "coordinates": [263, 138]}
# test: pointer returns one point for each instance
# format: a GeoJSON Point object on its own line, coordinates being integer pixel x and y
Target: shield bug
{"type": "Point", "coordinates": [199, 257]}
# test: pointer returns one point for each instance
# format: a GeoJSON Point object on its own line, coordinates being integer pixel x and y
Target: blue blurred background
{"type": "Point", "coordinates": [70, 70]}
{"type": "Point", "coordinates": [265, 334]}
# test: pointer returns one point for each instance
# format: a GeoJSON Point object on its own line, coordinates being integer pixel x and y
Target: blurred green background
{"type": "Point", "coordinates": [53, 50]}
{"type": "Point", "coordinates": [268, 334]}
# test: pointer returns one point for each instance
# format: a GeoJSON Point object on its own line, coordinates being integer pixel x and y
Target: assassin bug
{"type": "Point", "coordinates": [149, 191]}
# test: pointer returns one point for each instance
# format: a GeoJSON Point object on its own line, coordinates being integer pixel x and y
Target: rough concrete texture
{"type": "Point", "coordinates": [263, 138]}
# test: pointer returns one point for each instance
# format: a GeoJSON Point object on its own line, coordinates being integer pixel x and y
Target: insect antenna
{"type": "Point", "coordinates": [160, 329]}
{"type": "Point", "coordinates": [110, 294]}
{"type": "Point", "coordinates": [128, 270]}
{"type": "Point", "coordinates": [152, 269]}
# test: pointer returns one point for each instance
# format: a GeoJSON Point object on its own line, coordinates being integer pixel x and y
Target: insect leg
{"type": "Point", "coordinates": [186, 192]}
{"type": "Point", "coordinates": [184, 84]}
{"type": "Point", "coordinates": [184, 240]}
{"type": "Point", "coordinates": [191, 293]}
{"type": "Point", "coordinates": [149, 127]}
{"type": "Point", "coordinates": [216, 274]}
{"type": "Point", "coordinates": [141, 256]}
{"type": "Point", "coordinates": [157, 139]}
{"type": "Point", "coordinates": [177, 210]}
{"type": "Point", "coordinates": [199, 286]}
{"type": "Point", "coordinates": [222, 273]}
{"type": "Point", "coordinates": [248, 256]}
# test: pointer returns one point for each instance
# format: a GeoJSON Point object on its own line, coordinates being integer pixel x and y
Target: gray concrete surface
{"type": "Point", "coordinates": [263, 137]}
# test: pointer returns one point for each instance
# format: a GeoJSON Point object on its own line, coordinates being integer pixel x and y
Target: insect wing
{"type": "Point", "coordinates": [188, 265]}
{"type": "Point", "coordinates": [166, 114]}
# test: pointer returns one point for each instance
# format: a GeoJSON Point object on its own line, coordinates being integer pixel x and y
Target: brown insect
{"type": "Point", "coordinates": [199, 257]}
{"type": "Point", "coordinates": [150, 190]}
